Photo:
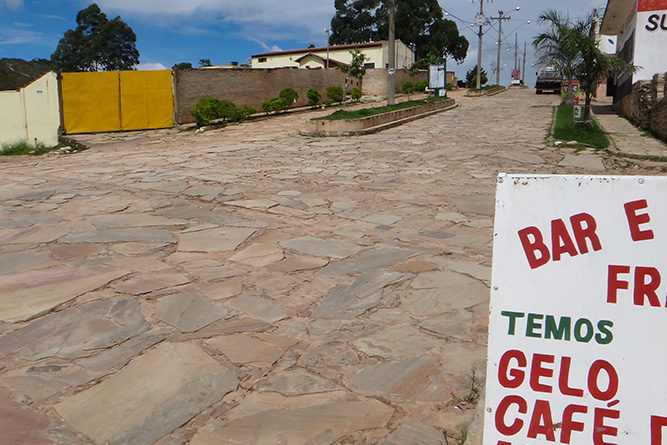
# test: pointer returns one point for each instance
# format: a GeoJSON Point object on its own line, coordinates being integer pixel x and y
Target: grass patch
{"type": "Point", "coordinates": [23, 148]}
{"type": "Point", "coordinates": [366, 112]}
{"type": "Point", "coordinates": [484, 88]}
{"type": "Point", "coordinates": [567, 130]}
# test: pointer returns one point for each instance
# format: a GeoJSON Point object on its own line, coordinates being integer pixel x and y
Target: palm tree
{"type": "Point", "coordinates": [592, 65]}
{"type": "Point", "coordinates": [556, 45]}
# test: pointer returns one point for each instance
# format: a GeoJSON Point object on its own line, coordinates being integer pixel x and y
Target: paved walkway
{"type": "Point", "coordinates": [248, 285]}
{"type": "Point", "coordinates": [627, 139]}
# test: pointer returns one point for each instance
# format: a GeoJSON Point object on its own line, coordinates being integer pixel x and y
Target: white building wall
{"type": "Point", "coordinates": [651, 43]}
{"type": "Point", "coordinates": [377, 55]}
{"type": "Point", "coordinates": [31, 114]}
{"type": "Point", "coordinates": [12, 117]}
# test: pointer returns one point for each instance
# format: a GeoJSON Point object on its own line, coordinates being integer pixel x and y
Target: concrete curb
{"type": "Point", "coordinates": [483, 93]}
{"type": "Point", "coordinates": [377, 128]}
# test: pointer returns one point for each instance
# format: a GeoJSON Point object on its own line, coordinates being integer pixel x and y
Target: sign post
{"type": "Point", "coordinates": [578, 316]}
{"type": "Point", "coordinates": [437, 79]}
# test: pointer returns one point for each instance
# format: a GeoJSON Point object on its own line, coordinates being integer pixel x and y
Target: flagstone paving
{"type": "Point", "coordinates": [249, 285]}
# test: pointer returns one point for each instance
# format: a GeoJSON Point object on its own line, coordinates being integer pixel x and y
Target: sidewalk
{"type": "Point", "coordinates": [627, 140]}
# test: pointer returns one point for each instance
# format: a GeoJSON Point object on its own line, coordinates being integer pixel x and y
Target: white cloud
{"type": "Point", "coordinates": [19, 36]}
{"type": "Point", "coordinates": [13, 5]}
{"type": "Point", "coordinates": [257, 19]}
{"type": "Point", "coordinates": [150, 66]}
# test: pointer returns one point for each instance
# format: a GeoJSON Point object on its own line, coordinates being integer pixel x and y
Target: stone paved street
{"type": "Point", "coordinates": [249, 285]}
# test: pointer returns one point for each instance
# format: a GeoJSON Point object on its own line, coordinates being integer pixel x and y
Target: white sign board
{"type": "Point", "coordinates": [650, 38]}
{"type": "Point", "coordinates": [437, 76]}
{"type": "Point", "coordinates": [578, 319]}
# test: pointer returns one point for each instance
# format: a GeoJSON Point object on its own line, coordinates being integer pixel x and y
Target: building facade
{"type": "Point", "coordinates": [641, 27]}
{"type": "Point", "coordinates": [377, 56]}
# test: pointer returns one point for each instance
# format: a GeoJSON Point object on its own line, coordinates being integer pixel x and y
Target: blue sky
{"type": "Point", "coordinates": [172, 31]}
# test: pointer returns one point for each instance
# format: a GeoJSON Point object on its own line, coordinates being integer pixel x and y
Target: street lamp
{"type": "Point", "coordinates": [328, 31]}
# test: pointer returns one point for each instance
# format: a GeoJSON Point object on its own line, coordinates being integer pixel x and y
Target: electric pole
{"type": "Point", "coordinates": [479, 20]}
{"type": "Point", "coordinates": [500, 18]}
{"type": "Point", "coordinates": [523, 71]}
{"type": "Point", "coordinates": [391, 72]}
{"type": "Point", "coordinates": [516, 51]}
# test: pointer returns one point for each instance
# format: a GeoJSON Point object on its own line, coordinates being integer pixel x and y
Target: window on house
{"type": "Point", "coordinates": [261, 59]}
{"type": "Point", "coordinates": [369, 66]}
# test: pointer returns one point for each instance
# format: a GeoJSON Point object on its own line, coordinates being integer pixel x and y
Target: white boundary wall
{"type": "Point", "coordinates": [32, 113]}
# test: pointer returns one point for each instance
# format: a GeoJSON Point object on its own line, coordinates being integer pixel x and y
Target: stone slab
{"type": "Point", "coordinates": [313, 424]}
{"type": "Point", "coordinates": [213, 240]}
{"type": "Point", "coordinates": [320, 247]}
{"type": "Point", "coordinates": [188, 311]}
{"type": "Point", "coordinates": [25, 295]}
{"type": "Point", "coordinates": [150, 397]}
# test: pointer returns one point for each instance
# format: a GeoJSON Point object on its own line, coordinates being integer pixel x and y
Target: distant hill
{"type": "Point", "coordinates": [16, 73]}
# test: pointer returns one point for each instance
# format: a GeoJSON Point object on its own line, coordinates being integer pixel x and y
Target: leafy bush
{"type": "Point", "coordinates": [289, 94]}
{"type": "Point", "coordinates": [247, 110]}
{"type": "Point", "coordinates": [336, 94]}
{"type": "Point", "coordinates": [449, 87]}
{"type": "Point", "coordinates": [266, 106]}
{"type": "Point", "coordinates": [328, 102]}
{"type": "Point", "coordinates": [207, 108]}
{"type": "Point", "coordinates": [407, 87]}
{"type": "Point", "coordinates": [279, 104]}
{"type": "Point", "coordinates": [355, 93]}
{"type": "Point", "coordinates": [420, 87]}
{"type": "Point", "coordinates": [314, 97]}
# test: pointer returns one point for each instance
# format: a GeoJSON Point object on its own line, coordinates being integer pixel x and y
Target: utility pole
{"type": "Point", "coordinates": [500, 18]}
{"type": "Point", "coordinates": [479, 20]}
{"type": "Point", "coordinates": [516, 51]}
{"type": "Point", "coordinates": [523, 71]}
{"type": "Point", "coordinates": [391, 72]}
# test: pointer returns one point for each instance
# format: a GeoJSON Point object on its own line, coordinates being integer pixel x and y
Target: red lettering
{"type": "Point", "coordinates": [634, 220]}
{"type": "Point", "coordinates": [561, 241]}
{"type": "Point", "coordinates": [563, 380]}
{"type": "Point", "coordinates": [501, 426]}
{"type": "Point", "coordinates": [516, 375]}
{"type": "Point", "coordinates": [537, 371]}
{"type": "Point", "coordinates": [614, 284]}
{"type": "Point", "coordinates": [532, 247]}
{"type": "Point", "coordinates": [657, 424]}
{"type": "Point", "coordinates": [594, 374]}
{"type": "Point", "coordinates": [568, 425]}
{"type": "Point", "coordinates": [643, 289]}
{"type": "Point", "coordinates": [581, 233]}
{"type": "Point", "coordinates": [541, 422]}
{"type": "Point", "coordinates": [600, 429]}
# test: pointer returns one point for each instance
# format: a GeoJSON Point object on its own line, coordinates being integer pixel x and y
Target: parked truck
{"type": "Point", "coordinates": [548, 79]}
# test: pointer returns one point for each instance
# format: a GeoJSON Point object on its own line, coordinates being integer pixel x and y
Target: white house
{"type": "Point", "coordinates": [377, 56]}
{"type": "Point", "coordinates": [641, 27]}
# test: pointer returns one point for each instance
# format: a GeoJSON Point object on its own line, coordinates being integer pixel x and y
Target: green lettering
{"type": "Point", "coordinates": [560, 332]}
{"type": "Point", "coordinates": [512, 323]}
{"type": "Point", "coordinates": [532, 324]}
{"type": "Point", "coordinates": [577, 330]}
{"type": "Point", "coordinates": [604, 328]}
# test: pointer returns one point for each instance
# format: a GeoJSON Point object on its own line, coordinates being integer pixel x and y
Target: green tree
{"type": "Point", "coordinates": [471, 77]}
{"type": "Point", "coordinates": [182, 66]}
{"type": "Point", "coordinates": [354, 21]}
{"type": "Point", "coordinates": [289, 94]}
{"type": "Point", "coordinates": [335, 94]}
{"type": "Point", "coordinates": [97, 44]}
{"type": "Point", "coordinates": [556, 45]}
{"type": "Point", "coordinates": [356, 68]}
{"type": "Point", "coordinates": [204, 62]}
{"type": "Point", "coordinates": [418, 22]}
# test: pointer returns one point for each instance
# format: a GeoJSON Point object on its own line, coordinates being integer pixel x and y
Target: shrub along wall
{"type": "Point", "coordinates": [247, 86]}
{"type": "Point", "coordinates": [375, 80]}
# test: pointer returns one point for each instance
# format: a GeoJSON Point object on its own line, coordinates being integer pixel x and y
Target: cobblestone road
{"type": "Point", "coordinates": [249, 285]}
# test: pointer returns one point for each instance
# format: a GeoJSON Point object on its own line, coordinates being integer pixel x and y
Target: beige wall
{"type": "Point", "coordinates": [375, 81]}
{"type": "Point", "coordinates": [33, 113]}
{"type": "Point", "coordinates": [377, 55]}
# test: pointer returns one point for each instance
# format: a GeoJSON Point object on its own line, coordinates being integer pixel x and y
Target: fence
{"type": "Point", "coordinates": [248, 86]}
{"type": "Point", "coordinates": [117, 100]}
{"type": "Point", "coordinates": [646, 105]}
{"type": "Point", "coordinates": [32, 113]}
{"type": "Point", "coordinates": [375, 80]}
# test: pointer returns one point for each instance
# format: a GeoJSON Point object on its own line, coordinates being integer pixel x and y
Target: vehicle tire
{"type": "Point", "coordinates": [538, 91]}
